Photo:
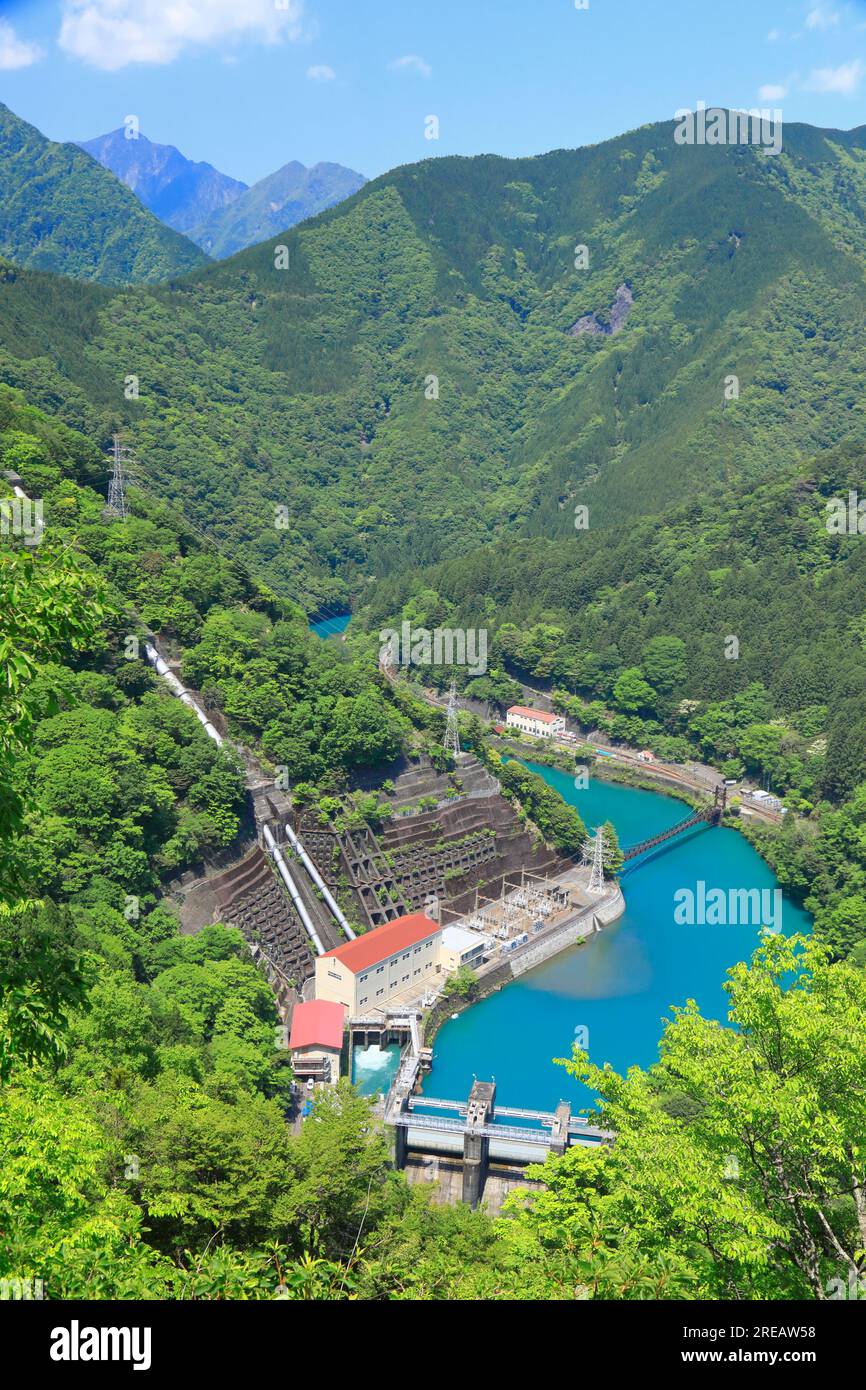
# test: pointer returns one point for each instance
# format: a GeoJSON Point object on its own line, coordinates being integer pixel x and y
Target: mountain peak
{"type": "Point", "coordinates": [290, 195]}
{"type": "Point", "coordinates": [221, 214]}
{"type": "Point", "coordinates": [179, 191]}
{"type": "Point", "coordinates": [60, 211]}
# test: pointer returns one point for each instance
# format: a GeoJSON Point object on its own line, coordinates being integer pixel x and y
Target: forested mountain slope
{"type": "Point", "coordinates": [642, 617]}
{"type": "Point", "coordinates": [61, 211]}
{"type": "Point", "coordinates": [143, 1142]}
{"type": "Point", "coordinates": [304, 379]}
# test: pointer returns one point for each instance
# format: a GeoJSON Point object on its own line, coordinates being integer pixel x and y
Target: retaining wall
{"type": "Point", "coordinates": [536, 952]}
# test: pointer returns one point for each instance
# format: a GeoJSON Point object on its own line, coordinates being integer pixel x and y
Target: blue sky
{"type": "Point", "coordinates": [251, 84]}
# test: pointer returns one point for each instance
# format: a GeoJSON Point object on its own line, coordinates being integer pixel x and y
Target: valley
{"type": "Point", "coordinates": [399, 543]}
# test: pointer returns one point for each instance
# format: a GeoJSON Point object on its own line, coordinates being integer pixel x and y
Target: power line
{"type": "Point", "coordinates": [321, 610]}
{"type": "Point", "coordinates": [596, 877]}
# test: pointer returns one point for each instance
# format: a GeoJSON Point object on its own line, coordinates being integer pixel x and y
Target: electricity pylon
{"type": "Point", "coordinates": [596, 877]}
{"type": "Point", "coordinates": [451, 742]}
{"type": "Point", "coordinates": [115, 507]}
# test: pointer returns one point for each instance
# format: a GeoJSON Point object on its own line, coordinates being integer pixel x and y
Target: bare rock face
{"type": "Point", "coordinates": [616, 317]}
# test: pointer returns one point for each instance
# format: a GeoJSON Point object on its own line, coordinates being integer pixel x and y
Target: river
{"type": "Point", "coordinates": [331, 627]}
{"type": "Point", "coordinates": [618, 988]}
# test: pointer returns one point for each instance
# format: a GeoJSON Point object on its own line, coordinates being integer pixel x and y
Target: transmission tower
{"type": "Point", "coordinates": [115, 507]}
{"type": "Point", "coordinates": [596, 877]}
{"type": "Point", "coordinates": [451, 742]}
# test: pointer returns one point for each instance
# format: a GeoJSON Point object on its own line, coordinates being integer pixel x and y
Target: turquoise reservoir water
{"type": "Point", "coordinates": [329, 627]}
{"type": "Point", "coordinates": [621, 985]}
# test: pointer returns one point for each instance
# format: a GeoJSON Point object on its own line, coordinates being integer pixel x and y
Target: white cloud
{"type": "Point", "coordinates": [774, 36]}
{"type": "Point", "coordinates": [413, 63]}
{"type": "Point", "coordinates": [822, 17]}
{"type": "Point", "coordinates": [110, 34]}
{"type": "Point", "coordinates": [14, 52]}
{"type": "Point", "coordinates": [321, 73]}
{"type": "Point", "coordinates": [842, 80]}
{"type": "Point", "coordinates": [772, 91]}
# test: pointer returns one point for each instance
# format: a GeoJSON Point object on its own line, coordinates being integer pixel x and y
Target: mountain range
{"type": "Point", "coordinates": [586, 400]}
{"type": "Point", "coordinates": [220, 214]}
{"type": "Point", "coordinates": [597, 402]}
{"type": "Point", "coordinates": [61, 212]}
{"type": "Point", "coordinates": [431, 371]}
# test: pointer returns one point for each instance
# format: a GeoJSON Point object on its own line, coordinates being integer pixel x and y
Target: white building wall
{"type": "Point", "coordinates": [414, 966]}
{"type": "Point", "coordinates": [538, 728]}
{"type": "Point", "coordinates": [335, 982]}
{"type": "Point", "coordinates": [378, 984]}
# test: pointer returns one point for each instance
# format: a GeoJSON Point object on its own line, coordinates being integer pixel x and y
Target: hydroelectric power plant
{"type": "Point", "coordinates": [470, 1111]}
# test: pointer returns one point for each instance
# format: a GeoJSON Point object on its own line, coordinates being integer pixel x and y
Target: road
{"type": "Point", "coordinates": [691, 776]}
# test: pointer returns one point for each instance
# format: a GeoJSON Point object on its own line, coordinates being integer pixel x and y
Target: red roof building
{"type": "Point", "coordinates": [541, 715]}
{"type": "Point", "coordinates": [536, 722]}
{"type": "Point", "coordinates": [318, 1023]}
{"type": "Point", "coordinates": [397, 961]}
{"type": "Point", "coordinates": [383, 942]}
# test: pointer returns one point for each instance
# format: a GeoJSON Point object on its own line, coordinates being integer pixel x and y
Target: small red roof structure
{"type": "Point", "coordinates": [318, 1023]}
{"type": "Point", "coordinates": [380, 943]}
{"type": "Point", "coordinates": [534, 714]}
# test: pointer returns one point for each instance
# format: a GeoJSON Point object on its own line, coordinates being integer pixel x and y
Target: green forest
{"type": "Point", "coordinates": [144, 1148]}
{"type": "Point", "coordinates": [400, 383]}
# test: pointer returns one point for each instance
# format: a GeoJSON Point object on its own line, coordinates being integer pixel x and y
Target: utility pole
{"type": "Point", "coordinates": [451, 742]}
{"type": "Point", "coordinates": [115, 508]}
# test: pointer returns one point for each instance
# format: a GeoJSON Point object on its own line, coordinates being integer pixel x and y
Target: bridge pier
{"type": "Point", "coordinates": [476, 1146]}
{"type": "Point", "coordinates": [559, 1130]}
{"type": "Point", "coordinates": [401, 1146]}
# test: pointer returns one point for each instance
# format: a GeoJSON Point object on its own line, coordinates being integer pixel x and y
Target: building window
{"type": "Point", "coordinates": [378, 992]}
{"type": "Point", "coordinates": [363, 1001]}
{"type": "Point", "coordinates": [405, 978]}
{"type": "Point", "coordinates": [380, 969]}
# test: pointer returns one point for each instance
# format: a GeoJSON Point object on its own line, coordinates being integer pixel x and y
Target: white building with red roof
{"type": "Point", "coordinates": [316, 1040]}
{"type": "Point", "coordinates": [534, 721]}
{"type": "Point", "coordinates": [391, 963]}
